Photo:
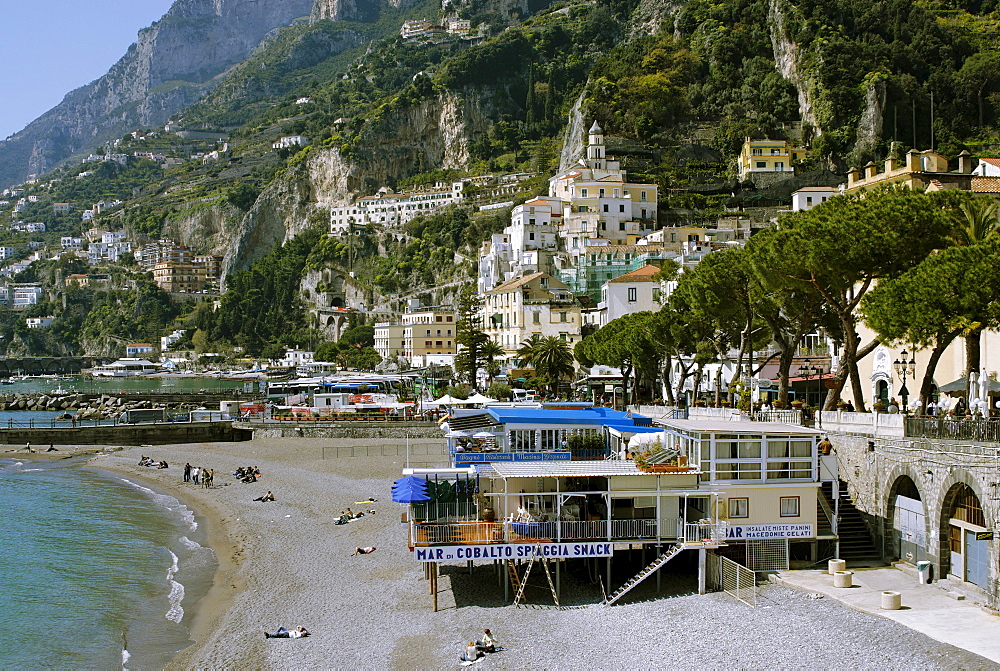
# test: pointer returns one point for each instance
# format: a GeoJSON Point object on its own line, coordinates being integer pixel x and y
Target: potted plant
{"type": "Point", "coordinates": [797, 405]}
{"type": "Point", "coordinates": [878, 407]}
{"type": "Point", "coordinates": [778, 404]}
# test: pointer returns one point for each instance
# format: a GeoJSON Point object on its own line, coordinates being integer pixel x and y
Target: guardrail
{"type": "Point", "coordinates": [345, 417]}
{"type": "Point", "coordinates": [978, 430]}
{"type": "Point", "coordinates": [477, 533]}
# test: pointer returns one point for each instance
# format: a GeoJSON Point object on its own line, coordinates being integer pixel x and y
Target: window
{"type": "Point", "coordinates": [789, 506]}
{"type": "Point", "coordinates": [761, 164]}
{"type": "Point", "coordinates": [437, 318]}
{"type": "Point", "coordinates": [616, 193]}
{"type": "Point", "coordinates": [642, 196]}
{"type": "Point", "coordinates": [562, 317]}
{"type": "Point", "coordinates": [605, 207]}
{"type": "Point", "coordinates": [531, 222]}
{"type": "Point", "coordinates": [739, 507]}
{"type": "Point", "coordinates": [621, 225]}
{"type": "Point", "coordinates": [600, 192]}
{"type": "Point", "coordinates": [643, 213]}
{"type": "Point", "coordinates": [632, 291]}
{"type": "Point", "coordinates": [757, 151]}
{"type": "Point", "coordinates": [621, 208]}
{"type": "Point", "coordinates": [809, 200]}
{"type": "Point", "coordinates": [779, 166]}
{"type": "Point", "coordinates": [427, 344]}
{"type": "Point", "coordinates": [437, 344]}
{"type": "Point", "coordinates": [584, 208]}
{"type": "Point", "coordinates": [531, 236]}
{"type": "Point", "coordinates": [536, 318]}
{"type": "Point", "coordinates": [583, 193]}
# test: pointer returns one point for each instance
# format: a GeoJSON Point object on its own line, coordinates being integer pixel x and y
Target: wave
{"type": "Point", "coordinates": [125, 657]}
{"type": "Point", "coordinates": [189, 544]}
{"type": "Point", "coordinates": [175, 613]}
{"type": "Point", "coordinates": [168, 502]}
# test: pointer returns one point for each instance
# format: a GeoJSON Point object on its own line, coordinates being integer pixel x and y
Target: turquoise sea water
{"type": "Point", "coordinates": [95, 571]}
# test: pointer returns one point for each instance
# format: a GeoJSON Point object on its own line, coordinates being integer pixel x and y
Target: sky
{"type": "Point", "coordinates": [50, 47]}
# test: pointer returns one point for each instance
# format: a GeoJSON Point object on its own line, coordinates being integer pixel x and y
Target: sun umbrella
{"type": "Point", "coordinates": [410, 481]}
{"type": "Point", "coordinates": [409, 495]}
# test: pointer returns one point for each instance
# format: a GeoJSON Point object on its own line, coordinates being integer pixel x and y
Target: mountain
{"type": "Point", "coordinates": [173, 63]}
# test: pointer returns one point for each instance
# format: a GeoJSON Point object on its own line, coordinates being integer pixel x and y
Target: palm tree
{"type": "Point", "coordinates": [977, 224]}
{"type": "Point", "coordinates": [490, 351]}
{"type": "Point", "coordinates": [550, 356]}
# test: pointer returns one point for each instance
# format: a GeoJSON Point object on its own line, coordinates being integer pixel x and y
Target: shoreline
{"type": "Point", "coordinates": [209, 607]}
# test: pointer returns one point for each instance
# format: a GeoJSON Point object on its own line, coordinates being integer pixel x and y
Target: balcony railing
{"type": "Point", "coordinates": [979, 430]}
{"type": "Point", "coordinates": [478, 533]}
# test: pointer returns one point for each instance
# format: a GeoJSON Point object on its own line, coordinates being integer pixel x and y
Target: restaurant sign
{"type": "Point", "coordinates": [512, 551]}
{"type": "Point", "coordinates": [738, 532]}
{"type": "Point", "coordinates": [483, 457]}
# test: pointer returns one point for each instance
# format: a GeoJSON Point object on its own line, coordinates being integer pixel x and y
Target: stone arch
{"type": "Point", "coordinates": [905, 481]}
{"type": "Point", "coordinates": [953, 497]}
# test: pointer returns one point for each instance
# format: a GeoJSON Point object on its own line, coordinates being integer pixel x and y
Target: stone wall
{"type": "Point", "coordinates": [875, 467]}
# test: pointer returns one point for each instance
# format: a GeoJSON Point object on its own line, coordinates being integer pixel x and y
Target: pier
{"type": "Point", "coordinates": [162, 433]}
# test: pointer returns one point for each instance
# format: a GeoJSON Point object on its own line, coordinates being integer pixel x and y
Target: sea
{"type": "Point", "coordinates": [97, 571]}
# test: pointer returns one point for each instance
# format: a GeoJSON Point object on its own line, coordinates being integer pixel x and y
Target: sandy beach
{"type": "Point", "coordinates": [286, 564]}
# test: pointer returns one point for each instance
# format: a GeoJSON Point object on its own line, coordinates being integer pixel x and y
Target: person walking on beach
{"type": "Point", "coordinates": [187, 472]}
{"type": "Point", "coordinates": [195, 472]}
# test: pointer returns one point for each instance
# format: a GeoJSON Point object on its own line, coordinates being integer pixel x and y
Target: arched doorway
{"type": "Point", "coordinates": [909, 521]}
{"type": "Point", "coordinates": [882, 392]}
{"type": "Point", "coordinates": [968, 552]}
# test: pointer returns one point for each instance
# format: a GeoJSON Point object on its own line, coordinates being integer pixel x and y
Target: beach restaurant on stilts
{"type": "Point", "coordinates": [540, 487]}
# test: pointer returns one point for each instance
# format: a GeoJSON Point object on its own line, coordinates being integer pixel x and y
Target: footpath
{"type": "Point", "coordinates": [929, 609]}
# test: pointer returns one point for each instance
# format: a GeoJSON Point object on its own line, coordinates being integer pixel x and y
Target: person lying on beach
{"type": "Point", "coordinates": [267, 497]}
{"type": "Point", "coordinates": [163, 464]}
{"type": "Point", "coordinates": [471, 653]}
{"type": "Point", "coordinates": [343, 519]}
{"type": "Point", "coordinates": [298, 632]}
{"type": "Point", "coordinates": [363, 551]}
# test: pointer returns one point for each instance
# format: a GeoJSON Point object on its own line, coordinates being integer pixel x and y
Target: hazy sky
{"type": "Point", "coordinates": [50, 47]}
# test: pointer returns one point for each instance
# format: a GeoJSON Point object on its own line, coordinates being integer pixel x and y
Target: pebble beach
{"type": "Point", "coordinates": [287, 563]}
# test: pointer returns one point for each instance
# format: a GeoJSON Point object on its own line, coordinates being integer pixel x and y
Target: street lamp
{"type": "Point", "coordinates": [905, 369]}
{"type": "Point", "coordinates": [807, 372]}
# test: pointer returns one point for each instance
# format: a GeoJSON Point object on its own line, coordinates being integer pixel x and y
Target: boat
{"type": "Point", "coordinates": [125, 368]}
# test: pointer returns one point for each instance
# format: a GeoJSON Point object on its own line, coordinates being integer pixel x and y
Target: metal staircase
{"type": "Point", "coordinates": [672, 552]}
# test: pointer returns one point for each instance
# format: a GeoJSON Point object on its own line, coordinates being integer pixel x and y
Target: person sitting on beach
{"type": "Point", "coordinates": [363, 551]}
{"type": "Point", "coordinates": [343, 519]}
{"type": "Point", "coordinates": [358, 514]}
{"type": "Point", "coordinates": [282, 632]}
{"type": "Point", "coordinates": [267, 497]}
{"type": "Point", "coordinates": [163, 464]}
{"type": "Point", "coordinates": [471, 653]}
{"type": "Point", "coordinates": [487, 643]}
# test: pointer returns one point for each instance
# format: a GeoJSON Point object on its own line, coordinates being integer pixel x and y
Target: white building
{"type": "Point", "coordinates": [988, 167]}
{"type": "Point", "coordinates": [290, 141]}
{"type": "Point", "coordinates": [6, 252]}
{"type": "Point", "coordinates": [636, 291]}
{"type": "Point", "coordinates": [389, 339]}
{"type": "Point", "coordinates": [39, 322]}
{"type": "Point", "coordinates": [69, 242]}
{"type": "Point", "coordinates": [534, 304]}
{"type": "Point", "coordinates": [296, 357]}
{"type": "Point", "coordinates": [809, 197]}
{"type": "Point", "coordinates": [26, 295]}
{"type": "Point", "coordinates": [138, 349]}
{"type": "Point", "coordinates": [388, 208]}
{"type": "Point", "coordinates": [168, 340]}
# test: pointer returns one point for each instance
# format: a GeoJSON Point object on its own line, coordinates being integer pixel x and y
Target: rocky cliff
{"type": "Point", "coordinates": [172, 64]}
{"type": "Point", "coordinates": [433, 133]}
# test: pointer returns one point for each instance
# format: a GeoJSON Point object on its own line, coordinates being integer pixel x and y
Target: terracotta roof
{"type": "Point", "coordinates": [992, 161]}
{"type": "Point", "coordinates": [986, 184]}
{"type": "Point", "coordinates": [818, 188]}
{"type": "Point", "coordinates": [644, 274]}
{"type": "Point", "coordinates": [514, 283]}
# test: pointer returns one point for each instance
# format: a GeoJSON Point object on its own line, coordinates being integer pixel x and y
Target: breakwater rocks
{"type": "Point", "coordinates": [83, 406]}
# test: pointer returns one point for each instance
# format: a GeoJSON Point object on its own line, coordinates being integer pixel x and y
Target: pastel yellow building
{"type": "Point", "coordinates": [768, 156]}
